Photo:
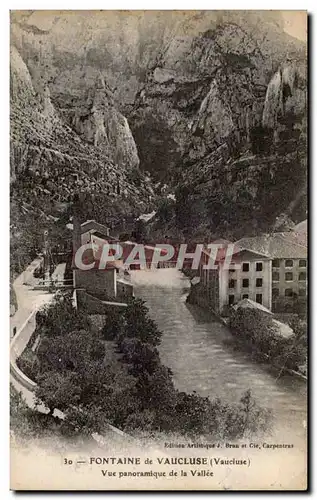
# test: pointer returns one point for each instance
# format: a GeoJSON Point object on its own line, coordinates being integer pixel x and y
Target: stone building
{"type": "Point", "coordinates": [106, 284]}
{"type": "Point", "coordinates": [272, 271]}
{"type": "Point", "coordinates": [289, 268]}
{"type": "Point", "coordinates": [247, 277]}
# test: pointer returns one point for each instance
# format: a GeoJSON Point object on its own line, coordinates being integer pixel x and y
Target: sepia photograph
{"type": "Point", "coordinates": [158, 250]}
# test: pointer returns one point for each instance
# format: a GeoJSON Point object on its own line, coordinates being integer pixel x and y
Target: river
{"type": "Point", "coordinates": [193, 346]}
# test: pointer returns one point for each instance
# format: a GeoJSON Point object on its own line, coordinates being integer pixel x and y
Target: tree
{"type": "Point", "coordinates": [139, 232]}
{"type": "Point", "coordinates": [65, 352]}
{"type": "Point", "coordinates": [57, 390]}
{"type": "Point", "coordinates": [97, 350]}
{"type": "Point", "coordinates": [60, 316]}
{"type": "Point", "coordinates": [137, 323]}
{"type": "Point", "coordinates": [156, 390]}
{"type": "Point", "coordinates": [252, 325]}
{"type": "Point", "coordinates": [113, 325]}
{"type": "Point", "coordinates": [85, 420]}
{"type": "Point", "coordinates": [74, 378]}
{"type": "Point", "coordinates": [142, 357]}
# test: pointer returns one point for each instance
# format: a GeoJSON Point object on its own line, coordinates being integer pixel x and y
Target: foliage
{"type": "Point", "coordinates": [166, 209]}
{"type": "Point", "coordinates": [26, 423]}
{"type": "Point", "coordinates": [136, 392]}
{"type": "Point", "coordinates": [83, 419]}
{"type": "Point", "coordinates": [139, 233]}
{"type": "Point", "coordinates": [57, 390]}
{"type": "Point", "coordinates": [138, 324]}
{"type": "Point", "coordinates": [113, 324]}
{"type": "Point", "coordinates": [29, 363]}
{"type": "Point", "coordinates": [258, 331]}
{"type": "Point", "coordinates": [60, 316]}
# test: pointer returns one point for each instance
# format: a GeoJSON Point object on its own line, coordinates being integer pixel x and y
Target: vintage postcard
{"type": "Point", "coordinates": [158, 295]}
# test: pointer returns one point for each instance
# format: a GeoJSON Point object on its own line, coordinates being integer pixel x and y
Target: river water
{"type": "Point", "coordinates": [193, 346]}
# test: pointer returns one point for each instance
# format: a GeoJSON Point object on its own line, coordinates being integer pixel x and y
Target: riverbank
{"type": "Point", "coordinates": [193, 347]}
{"type": "Point", "coordinates": [198, 297]}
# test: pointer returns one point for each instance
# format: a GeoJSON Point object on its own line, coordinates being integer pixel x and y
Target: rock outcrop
{"type": "Point", "coordinates": [216, 102]}
{"type": "Point", "coordinates": [51, 161]}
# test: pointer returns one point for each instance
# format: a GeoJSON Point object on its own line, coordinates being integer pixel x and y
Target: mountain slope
{"type": "Point", "coordinates": [50, 163]}
{"type": "Point", "coordinates": [216, 102]}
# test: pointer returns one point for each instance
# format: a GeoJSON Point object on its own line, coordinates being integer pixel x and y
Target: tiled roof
{"type": "Point", "coordinates": [277, 245]}
{"type": "Point", "coordinates": [231, 250]}
{"type": "Point", "coordinates": [91, 225]}
{"type": "Point", "coordinates": [300, 238]}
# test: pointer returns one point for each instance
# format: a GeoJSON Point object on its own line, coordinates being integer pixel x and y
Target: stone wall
{"type": "Point", "coordinates": [93, 305]}
{"type": "Point", "coordinates": [98, 282]}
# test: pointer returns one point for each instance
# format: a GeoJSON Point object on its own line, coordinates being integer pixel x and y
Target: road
{"type": "Point", "coordinates": [28, 301]}
{"type": "Point", "coordinates": [27, 298]}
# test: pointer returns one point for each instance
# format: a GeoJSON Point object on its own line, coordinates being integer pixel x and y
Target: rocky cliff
{"type": "Point", "coordinates": [56, 154]}
{"type": "Point", "coordinates": [216, 102]}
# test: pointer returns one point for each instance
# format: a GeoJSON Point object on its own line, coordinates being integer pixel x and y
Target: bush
{"type": "Point", "coordinates": [57, 390]}
{"type": "Point", "coordinates": [60, 316]}
{"type": "Point", "coordinates": [29, 364]}
{"type": "Point", "coordinates": [137, 324]}
{"type": "Point", "coordinates": [258, 331]}
{"type": "Point", "coordinates": [136, 393]}
{"type": "Point", "coordinates": [113, 325]}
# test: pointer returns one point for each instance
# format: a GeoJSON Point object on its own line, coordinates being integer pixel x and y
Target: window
{"type": "Point", "coordinates": [288, 292]}
{"type": "Point", "coordinates": [231, 299]}
{"type": "Point", "coordinates": [245, 267]}
{"type": "Point", "coordinates": [232, 283]}
{"type": "Point", "coordinates": [258, 282]}
{"type": "Point", "coordinates": [302, 292]}
{"type": "Point", "coordinates": [302, 263]}
{"type": "Point", "coordinates": [289, 276]}
{"type": "Point", "coordinates": [302, 277]}
{"type": "Point", "coordinates": [275, 276]}
{"type": "Point", "coordinates": [259, 266]}
{"type": "Point", "coordinates": [275, 263]}
{"type": "Point", "coordinates": [258, 298]}
{"type": "Point", "coordinates": [245, 283]}
{"type": "Point", "coordinates": [275, 293]}
{"type": "Point", "coordinates": [288, 263]}
{"type": "Point", "coordinates": [245, 296]}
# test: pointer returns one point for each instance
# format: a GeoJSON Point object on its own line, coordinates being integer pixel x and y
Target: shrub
{"type": "Point", "coordinates": [113, 325]}
{"type": "Point", "coordinates": [138, 392]}
{"type": "Point", "coordinates": [57, 390]}
{"type": "Point", "coordinates": [138, 324]}
{"type": "Point", "coordinates": [258, 331]}
{"type": "Point", "coordinates": [29, 364]}
{"type": "Point", "coordinates": [60, 316]}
